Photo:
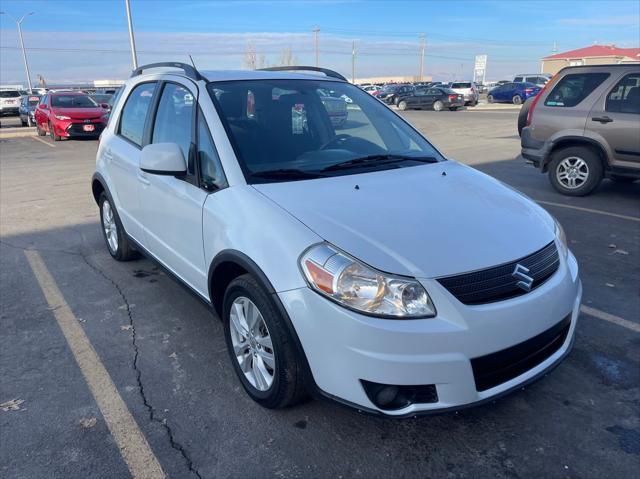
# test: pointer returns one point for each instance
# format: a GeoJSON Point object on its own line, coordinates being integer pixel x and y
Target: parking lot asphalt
{"type": "Point", "coordinates": [165, 354]}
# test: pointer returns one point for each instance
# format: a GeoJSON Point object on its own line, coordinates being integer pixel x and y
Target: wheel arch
{"type": "Point", "coordinates": [570, 141]}
{"type": "Point", "coordinates": [229, 264]}
{"type": "Point", "coordinates": [98, 186]}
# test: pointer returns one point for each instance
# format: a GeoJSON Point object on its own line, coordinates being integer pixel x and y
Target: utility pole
{"type": "Point", "coordinates": [422, 48]}
{"type": "Point", "coordinates": [315, 31]}
{"type": "Point", "coordinates": [24, 53]}
{"type": "Point", "coordinates": [132, 41]}
{"type": "Point", "coordinates": [353, 62]}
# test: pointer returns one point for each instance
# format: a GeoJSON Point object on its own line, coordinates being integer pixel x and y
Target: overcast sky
{"type": "Point", "coordinates": [71, 41]}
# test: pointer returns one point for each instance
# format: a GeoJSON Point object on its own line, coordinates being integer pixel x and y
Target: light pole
{"type": "Point", "coordinates": [315, 31]}
{"type": "Point", "coordinates": [24, 53]}
{"type": "Point", "coordinates": [132, 41]}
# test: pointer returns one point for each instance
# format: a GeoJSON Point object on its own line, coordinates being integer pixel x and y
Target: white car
{"type": "Point", "coordinates": [10, 102]}
{"type": "Point", "coordinates": [358, 264]}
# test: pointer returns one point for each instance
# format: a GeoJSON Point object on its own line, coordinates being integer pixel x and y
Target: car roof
{"type": "Point", "coordinates": [231, 75]}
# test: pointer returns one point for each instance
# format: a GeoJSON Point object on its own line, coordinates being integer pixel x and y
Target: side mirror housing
{"type": "Point", "coordinates": [42, 106]}
{"type": "Point", "coordinates": [163, 159]}
{"type": "Point", "coordinates": [104, 105]}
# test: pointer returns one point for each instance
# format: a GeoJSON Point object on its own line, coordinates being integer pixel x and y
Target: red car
{"type": "Point", "coordinates": [69, 115]}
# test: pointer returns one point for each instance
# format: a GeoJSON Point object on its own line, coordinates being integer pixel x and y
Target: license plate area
{"type": "Point", "coordinates": [88, 127]}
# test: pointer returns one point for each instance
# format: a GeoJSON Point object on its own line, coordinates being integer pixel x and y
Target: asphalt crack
{"type": "Point", "coordinates": [152, 414]}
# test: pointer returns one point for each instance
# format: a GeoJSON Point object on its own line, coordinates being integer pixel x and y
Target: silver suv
{"type": "Point", "coordinates": [585, 126]}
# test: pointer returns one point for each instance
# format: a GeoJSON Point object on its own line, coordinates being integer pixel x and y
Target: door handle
{"type": "Point", "coordinates": [602, 119]}
{"type": "Point", "coordinates": [142, 178]}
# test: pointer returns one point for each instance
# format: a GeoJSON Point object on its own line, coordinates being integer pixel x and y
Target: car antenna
{"type": "Point", "coordinates": [192, 62]}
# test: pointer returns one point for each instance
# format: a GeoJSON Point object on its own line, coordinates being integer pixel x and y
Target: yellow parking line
{"type": "Point", "coordinates": [596, 313]}
{"type": "Point", "coordinates": [133, 446]}
{"type": "Point", "coordinates": [589, 210]}
{"type": "Point", "coordinates": [43, 141]}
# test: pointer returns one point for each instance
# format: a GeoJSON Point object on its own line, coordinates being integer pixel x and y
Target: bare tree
{"type": "Point", "coordinates": [250, 56]}
{"type": "Point", "coordinates": [287, 58]}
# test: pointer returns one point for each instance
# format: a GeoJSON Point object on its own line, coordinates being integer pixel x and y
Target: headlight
{"type": "Point", "coordinates": [353, 284]}
{"type": "Point", "coordinates": [62, 117]}
{"type": "Point", "coordinates": [562, 239]}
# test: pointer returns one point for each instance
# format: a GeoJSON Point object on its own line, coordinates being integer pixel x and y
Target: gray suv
{"type": "Point", "coordinates": [585, 126]}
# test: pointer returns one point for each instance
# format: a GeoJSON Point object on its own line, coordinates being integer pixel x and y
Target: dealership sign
{"type": "Point", "coordinates": [480, 68]}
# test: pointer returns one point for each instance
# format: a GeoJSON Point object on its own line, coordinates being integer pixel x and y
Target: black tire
{"type": "Point", "coordinates": [29, 122]}
{"type": "Point", "coordinates": [490, 98]}
{"type": "Point", "coordinates": [522, 116]}
{"type": "Point", "coordinates": [124, 250]}
{"type": "Point", "coordinates": [453, 108]}
{"type": "Point", "coordinates": [623, 179]}
{"type": "Point", "coordinates": [438, 105]}
{"type": "Point", "coordinates": [594, 165]}
{"type": "Point", "coordinates": [516, 100]}
{"type": "Point", "coordinates": [39, 131]}
{"type": "Point", "coordinates": [287, 388]}
{"type": "Point", "coordinates": [402, 105]}
{"type": "Point", "coordinates": [52, 133]}
{"type": "Point", "coordinates": [24, 123]}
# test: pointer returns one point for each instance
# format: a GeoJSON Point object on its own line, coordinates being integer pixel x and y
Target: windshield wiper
{"type": "Point", "coordinates": [287, 174]}
{"type": "Point", "coordinates": [379, 160]}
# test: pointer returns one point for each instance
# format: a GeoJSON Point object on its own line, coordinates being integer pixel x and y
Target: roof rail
{"type": "Point", "coordinates": [190, 71]}
{"type": "Point", "coordinates": [326, 71]}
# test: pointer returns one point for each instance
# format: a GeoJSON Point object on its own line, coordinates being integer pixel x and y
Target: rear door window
{"type": "Point", "coordinates": [574, 88]}
{"type": "Point", "coordinates": [625, 96]}
{"type": "Point", "coordinates": [135, 111]}
{"type": "Point", "coordinates": [517, 79]}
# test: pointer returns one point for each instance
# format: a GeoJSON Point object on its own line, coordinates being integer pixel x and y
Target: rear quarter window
{"type": "Point", "coordinates": [574, 88]}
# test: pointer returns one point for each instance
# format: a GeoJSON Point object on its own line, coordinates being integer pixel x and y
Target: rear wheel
{"type": "Point", "coordinates": [490, 98]}
{"type": "Point", "coordinates": [575, 170]}
{"type": "Point", "coordinates": [118, 243]}
{"type": "Point", "coordinates": [260, 345]}
{"type": "Point", "coordinates": [438, 105]}
{"type": "Point", "coordinates": [517, 100]}
{"type": "Point", "coordinates": [24, 123]}
{"type": "Point", "coordinates": [402, 105]}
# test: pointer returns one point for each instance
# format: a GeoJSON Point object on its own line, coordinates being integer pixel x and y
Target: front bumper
{"type": "Point", "coordinates": [343, 348]}
{"type": "Point", "coordinates": [75, 128]}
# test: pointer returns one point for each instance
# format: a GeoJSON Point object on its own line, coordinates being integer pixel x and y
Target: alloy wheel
{"type": "Point", "coordinates": [252, 345]}
{"type": "Point", "coordinates": [572, 172]}
{"type": "Point", "coordinates": [110, 226]}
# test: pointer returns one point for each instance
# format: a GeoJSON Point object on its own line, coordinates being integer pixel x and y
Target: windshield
{"type": "Point", "coordinates": [72, 101]}
{"type": "Point", "coordinates": [293, 129]}
{"type": "Point", "coordinates": [100, 98]}
{"type": "Point", "coordinates": [9, 94]}
{"type": "Point", "coordinates": [460, 85]}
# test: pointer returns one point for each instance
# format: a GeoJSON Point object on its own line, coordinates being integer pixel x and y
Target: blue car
{"type": "Point", "coordinates": [514, 92]}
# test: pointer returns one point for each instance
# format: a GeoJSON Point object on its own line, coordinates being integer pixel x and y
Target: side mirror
{"type": "Point", "coordinates": [163, 159]}
{"type": "Point", "coordinates": [42, 106]}
{"type": "Point", "coordinates": [104, 105]}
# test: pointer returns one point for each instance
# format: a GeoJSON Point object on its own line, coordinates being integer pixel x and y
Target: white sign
{"type": "Point", "coordinates": [480, 68]}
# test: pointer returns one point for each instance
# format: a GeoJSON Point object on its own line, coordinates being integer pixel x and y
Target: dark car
{"type": "Point", "coordinates": [391, 93]}
{"type": "Point", "coordinates": [28, 105]}
{"type": "Point", "coordinates": [433, 98]}
{"type": "Point", "coordinates": [513, 92]}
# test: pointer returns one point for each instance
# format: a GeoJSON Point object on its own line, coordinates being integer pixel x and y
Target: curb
{"type": "Point", "coordinates": [17, 132]}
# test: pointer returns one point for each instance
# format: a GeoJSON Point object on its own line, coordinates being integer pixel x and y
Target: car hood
{"type": "Point", "coordinates": [424, 221]}
{"type": "Point", "coordinates": [79, 113]}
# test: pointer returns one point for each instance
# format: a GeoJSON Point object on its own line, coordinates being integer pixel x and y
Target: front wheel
{"type": "Point", "coordinates": [402, 105]}
{"type": "Point", "coordinates": [438, 105]}
{"type": "Point", "coordinates": [575, 170]}
{"type": "Point", "coordinates": [118, 243]}
{"type": "Point", "coordinates": [260, 345]}
{"type": "Point", "coordinates": [52, 132]}
{"type": "Point", "coordinates": [517, 100]}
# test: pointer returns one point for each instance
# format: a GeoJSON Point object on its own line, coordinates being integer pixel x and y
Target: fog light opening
{"type": "Point", "coordinates": [390, 397]}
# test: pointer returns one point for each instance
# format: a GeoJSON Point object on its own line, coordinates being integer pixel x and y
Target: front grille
{"type": "Point", "coordinates": [497, 368]}
{"type": "Point", "coordinates": [76, 129]}
{"type": "Point", "coordinates": [498, 283]}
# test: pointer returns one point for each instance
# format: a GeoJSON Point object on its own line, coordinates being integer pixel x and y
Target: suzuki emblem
{"type": "Point", "coordinates": [524, 281]}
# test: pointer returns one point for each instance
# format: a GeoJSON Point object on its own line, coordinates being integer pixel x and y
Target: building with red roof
{"type": "Point", "coordinates": [593, 55]}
